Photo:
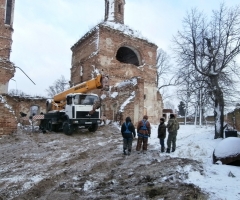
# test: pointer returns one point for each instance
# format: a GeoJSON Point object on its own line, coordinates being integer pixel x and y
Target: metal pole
{"type": "Point", "coordinates": [15, 82]}
{"type": "Point", "coordinates": [24, 73]}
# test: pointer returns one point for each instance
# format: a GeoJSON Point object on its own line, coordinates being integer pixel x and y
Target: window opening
{"type": "Point", "coordinates": [34, 110]}
{"type": "Point", "coordinates": [107, 11]}
{"type": "Point", "coordinates": [85, 99]}
{"type": "Point", "coordinates": [8, 12]}
{"type": "Point", "coordinates": [126, 55]}
{"type": "Point", "coordinates": [119, 8]}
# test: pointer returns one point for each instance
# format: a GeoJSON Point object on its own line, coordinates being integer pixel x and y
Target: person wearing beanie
{"type": "Point", "coordinates": [128, 133]}
{"type": "Point", "coordinates": [144, 131]}
{"type": "Point", "coordinates": [172, 127]}
{"type": "Point", "coordinates": [162, 133]}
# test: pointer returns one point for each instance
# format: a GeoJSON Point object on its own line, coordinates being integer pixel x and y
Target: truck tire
{"type": "Point", "coordinates": [67, 128]}
{"type": "Point", "coordinates": [51, 127]}
{"type": "Point", "coordinates": [93, 127]}
{"type": "Point", "coordinates": [42, 125]}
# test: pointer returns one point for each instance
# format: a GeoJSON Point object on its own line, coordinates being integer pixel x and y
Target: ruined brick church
{"type": "Point", "coordinates": [127, 58]}
{"type": "Point", "coordinates": [111, 48]}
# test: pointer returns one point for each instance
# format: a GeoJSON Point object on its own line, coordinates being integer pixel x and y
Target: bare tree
{"type": "Point", "coordinates": [16, 92]}
{"type": "Point", "coordinates": [210, 48]}
{"type": "Point", "coordinates": [164, 77]}
{"type": "Point", "coordinates": [169, 105]}
{"type": "Point", "coordinates": [59, 85]}
{"type": "Point", "coordinates": [162, 68]}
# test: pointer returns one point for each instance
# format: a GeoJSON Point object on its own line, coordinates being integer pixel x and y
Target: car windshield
{"type": "Point", "coordinates": [84, 99]}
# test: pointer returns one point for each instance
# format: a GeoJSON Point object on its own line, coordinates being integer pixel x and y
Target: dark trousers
{"type": "Point", "coordinates": [161, 143]}
{"type": "Point", "coordinates": [142, 142]}
{"type": "Point", "coordinates": [127, 144]}
{"type": "Point", "coordinates": [171, 141]}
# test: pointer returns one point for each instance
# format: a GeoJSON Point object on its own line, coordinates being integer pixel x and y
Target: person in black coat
{"type": "Point", "coordinates": [162, 129]}
{"type": "Point", "coordinates": [128, 133]}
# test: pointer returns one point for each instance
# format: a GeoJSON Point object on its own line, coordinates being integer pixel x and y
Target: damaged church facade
{"type": "Point", "coordinates": [129, 60]}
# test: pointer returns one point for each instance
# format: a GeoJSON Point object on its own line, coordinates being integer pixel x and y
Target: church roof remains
{"type": "Point", "coordinates": [122, 28]}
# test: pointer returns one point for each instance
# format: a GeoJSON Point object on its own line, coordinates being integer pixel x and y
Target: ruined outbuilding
{"type": "Point", "coordinates": [125, 56]}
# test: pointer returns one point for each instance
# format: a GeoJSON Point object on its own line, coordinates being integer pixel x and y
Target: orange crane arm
{"type": "Point", "coordinates": [100, 82]}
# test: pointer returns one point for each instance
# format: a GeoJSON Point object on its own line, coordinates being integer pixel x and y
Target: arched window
{"type": "Point", "coordinates": [127, 55]}
{"type": "Point", "coordinates": [34, 110]}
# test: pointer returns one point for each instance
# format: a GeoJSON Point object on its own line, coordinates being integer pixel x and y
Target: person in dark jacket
{"type": "Point", "coordinates": [172, 127]}
{"type": "Point", "coordinates": [144, 131]}
{"type": "Point", "coordinates": [128, 133]}
{"type": "Point", "coordinates": [162, 133]}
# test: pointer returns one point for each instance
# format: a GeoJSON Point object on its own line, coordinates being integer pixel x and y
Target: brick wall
{"type": "Point", "coordinates": [8, 120]}
{"type": "Point", "coordinates": [233, 118]}
{"type": "Point", "coordinates": [10, 108]}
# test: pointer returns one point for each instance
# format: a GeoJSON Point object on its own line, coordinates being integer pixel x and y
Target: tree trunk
{"type": "Point", "coordinates": [218, 107]}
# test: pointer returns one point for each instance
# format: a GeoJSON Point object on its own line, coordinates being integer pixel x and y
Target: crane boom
{"type": "Point", "coordinates": [100, 82]}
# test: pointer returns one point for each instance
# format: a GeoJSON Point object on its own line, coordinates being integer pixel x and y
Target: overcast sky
{"type": "Point", "coordinates": [44, 32]}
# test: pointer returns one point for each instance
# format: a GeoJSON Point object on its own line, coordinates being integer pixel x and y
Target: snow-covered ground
{"type": "Point", "coordinates": [198, 143]}
{"type": "Point", "coordinates": [92, 166]}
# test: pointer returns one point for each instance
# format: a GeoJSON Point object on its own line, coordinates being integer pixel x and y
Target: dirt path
{"type": "Point", "coordinates": [88, 166]}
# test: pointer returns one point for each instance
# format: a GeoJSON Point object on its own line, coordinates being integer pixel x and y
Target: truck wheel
{"type": "Point", "coordinates": [49, 126]}
{"type": "Point", "coordinates": [93, 127]}
{"type": "Point", "coordinates": [43, 126]}
{"type": "Point", "coordinates": [52, 127]}
{"type": "Point", "coordinates": [67, 128]}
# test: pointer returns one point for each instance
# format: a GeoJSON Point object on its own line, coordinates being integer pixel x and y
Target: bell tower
{"type": "Point", "coordinates": [114, 11]}
{"type": "Point", "coordinates": [7, 68]}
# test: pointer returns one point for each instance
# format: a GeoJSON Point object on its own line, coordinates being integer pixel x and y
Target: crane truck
{"type": "Point", "coordinates": [75, 108]}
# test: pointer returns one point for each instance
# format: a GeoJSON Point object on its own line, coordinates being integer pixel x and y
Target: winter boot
{"type": "Point", "coordinates": [162, 150]}
{"type": "Point", "coordinates": [129, 151]}
{"type": "Point", "coordinates": [173, 149]}
{"type": "Point", "coordinates": [124, 152]}
{"type": "Point", "coordinates": [168, 150]}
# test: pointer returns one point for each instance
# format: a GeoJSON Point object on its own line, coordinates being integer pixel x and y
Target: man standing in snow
{"type": "Point", "coordinates": [144, 131]}
{"type": "Point", "coordinates": [172, 127]}
{"type": "Point", "coordinates": [162, 133]}
{"type": "Point", "coordinates": [128, 132]}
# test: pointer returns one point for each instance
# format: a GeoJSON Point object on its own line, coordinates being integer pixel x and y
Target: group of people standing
{"type": "Point", "coordinates": [144, 132]}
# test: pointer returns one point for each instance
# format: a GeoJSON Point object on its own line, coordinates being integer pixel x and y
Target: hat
{"type": "Point", "coordinates": [145, 117]}
{"type": "Point", "coordinates": [162, 119]}
{"type": "Point", "coordinates": [128, 119]}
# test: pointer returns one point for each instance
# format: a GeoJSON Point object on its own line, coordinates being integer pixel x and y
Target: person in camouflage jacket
{"type": "Point", "coordinates": [172, 127]}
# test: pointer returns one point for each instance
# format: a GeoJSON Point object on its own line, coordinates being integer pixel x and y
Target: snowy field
{"type": "Point", "coordinates": [198, 143]}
